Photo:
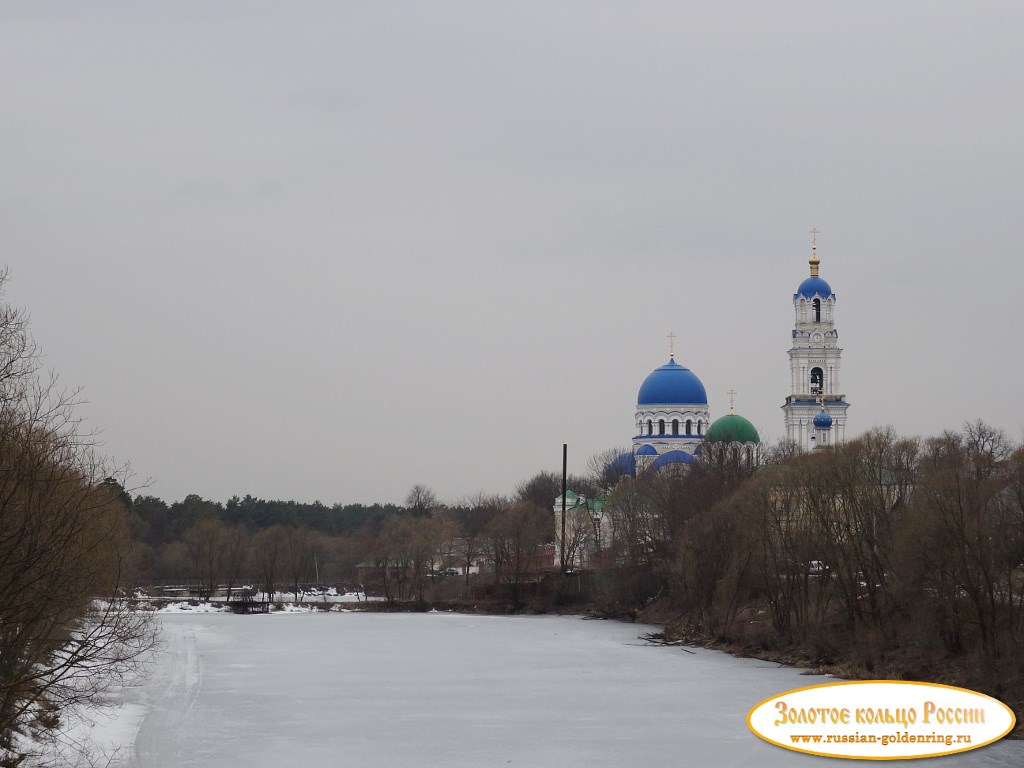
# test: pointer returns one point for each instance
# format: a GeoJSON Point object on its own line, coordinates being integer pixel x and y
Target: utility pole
{"type": "Point", "coordinates": [565, 456]}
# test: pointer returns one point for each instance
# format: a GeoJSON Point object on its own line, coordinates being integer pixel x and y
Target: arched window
{"type": "Point", "coordinates": [675, 426]}
{"type": "Point", "coordinates": [817, 379]}
{"type": "Point", "coordinates": [689, 427]}
{"type": "Point", "coordinates": [700, 428]}
{"type": "Point", "coordinates": [817, 310]}
{"type": "Point", "coordinates": [650, 427]}
{"type": "Point", "coordinates": [661, 426]}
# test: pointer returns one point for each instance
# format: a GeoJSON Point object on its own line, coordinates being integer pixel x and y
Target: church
{"type": "Point", "coordinates": [673, 422]}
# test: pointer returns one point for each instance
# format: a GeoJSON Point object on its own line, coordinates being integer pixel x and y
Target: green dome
{"type": "Point", "coordinates": [732, 429]}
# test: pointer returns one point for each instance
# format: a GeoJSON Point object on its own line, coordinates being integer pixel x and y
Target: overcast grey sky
{"type": "Point", "coordinates": [330, 250]}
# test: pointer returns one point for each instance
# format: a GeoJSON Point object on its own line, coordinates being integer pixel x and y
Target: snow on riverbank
{"type": "Point", "coordinates": [185, 606]}
{"type": "Point", "coordinates": [287, 602]}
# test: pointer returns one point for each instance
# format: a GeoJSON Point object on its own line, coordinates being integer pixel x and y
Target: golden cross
{"type": "Point", "coordinates": [814, 252]}
{"type": "Point", "coordinates": [732, 395]}
{"type": "Point", "coordinates": [672, 344]}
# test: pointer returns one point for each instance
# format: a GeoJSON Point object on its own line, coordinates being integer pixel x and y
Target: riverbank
{"type": "Point", "coordinates": [838, 657]}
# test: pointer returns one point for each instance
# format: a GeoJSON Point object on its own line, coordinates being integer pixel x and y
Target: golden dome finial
{"type": "Point", "coordinates": [814, 252]}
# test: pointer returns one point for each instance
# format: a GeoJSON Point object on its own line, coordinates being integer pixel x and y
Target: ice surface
{"type": "Point", "coordinates": [407, 690]}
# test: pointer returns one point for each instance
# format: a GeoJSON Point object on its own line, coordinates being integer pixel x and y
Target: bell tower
{"type": "Point", "coordinates": [814, 361]}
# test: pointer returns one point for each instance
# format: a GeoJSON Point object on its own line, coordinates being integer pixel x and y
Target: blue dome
{"type": "Point", "coordinates": [623, 464]}
{"type": "Point", "coordinates": [672, 384]}
{"type": "Point", "coordinates": [673, 457]}
{"type": "Point", "coordinates": [814, 286]}
{"type": "Point", "coordinates": [823, 420]}
{"type": "Point", "coordinates": [646, 450]}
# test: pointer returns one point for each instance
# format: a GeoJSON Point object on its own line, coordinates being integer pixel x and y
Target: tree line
{"type": "Point", "coordinates": [280, 546]}
{"type": "Point", "coordinates": [886, 556]}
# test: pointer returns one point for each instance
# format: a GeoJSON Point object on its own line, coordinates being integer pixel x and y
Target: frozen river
{"type": "Point", "coordinates": [407, 690]}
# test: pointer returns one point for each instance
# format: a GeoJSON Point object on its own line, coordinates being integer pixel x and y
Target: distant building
{"type": "Point", "coordinates": [673, 421]}
{"type": "Point", "coordinates": [815, 410]}
{"type": "Point", "coordinates": [673, 425]}
{"type": "Point", "coordinates": [588, 532]}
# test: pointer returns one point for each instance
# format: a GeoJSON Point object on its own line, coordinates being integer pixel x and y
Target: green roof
{"type": "Point", "coordinates": [732, 428]}
{"type": "Point", "coordinates": [574, 501]}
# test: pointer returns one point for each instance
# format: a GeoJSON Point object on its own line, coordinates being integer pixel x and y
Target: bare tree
{"type": "Point", "coordinates": [638, 531]}
{"type": "Point", "coordinates": [173, 564]}
{"type": "Point", "coordinates": [297, 557]}
{"type": "Point", "coordinates": [204, 546]}
{"type": "Point", "coordinates": [581, 535]}
{"type": "Point", "coordinates": [470, 545]}
{"type": "Point", "coordinates": [390, 554]}
{"type": "Point", "coordinates": [66, 631]}
{"type": "Point", "coordinates": [421, 500]}
{"type": "Point", "coordinates": [1012, 526]}
{"type": "Point", "coordinates": [957, 503]}
{"type": "Point", "coordinates": [423, 540]}
{"type": "Point", "coordinates": [267, 550]}
{"type": "Point", "coordinates": [447, 534]}
{"type": "Point", "coordinates": [512, 540]}
{"type": "Point", "coordinates": [235, 556]}
{"type": "Point", "coordinates": [771, 516]}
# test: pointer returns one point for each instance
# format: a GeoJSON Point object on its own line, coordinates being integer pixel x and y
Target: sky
{"type": "Point", "coordinates": [327, 251]}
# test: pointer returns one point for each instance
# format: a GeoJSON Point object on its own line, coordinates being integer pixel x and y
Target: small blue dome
{"type": "Point", "coordinates": [646, 450]}
{"type": "Point", "coordinates": [814, 286]}
{"type": "Point", "coordinates": [672, 384]}
{"type": "Point", "coordinates": [823, 420]}
{"type": "Point", "coordinates": [623, 464]}
{"type": "Point", "coordinates": [673, 457]}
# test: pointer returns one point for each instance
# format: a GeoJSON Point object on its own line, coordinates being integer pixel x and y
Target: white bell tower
{"type": "Point", "coordinates": [814, 361]}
